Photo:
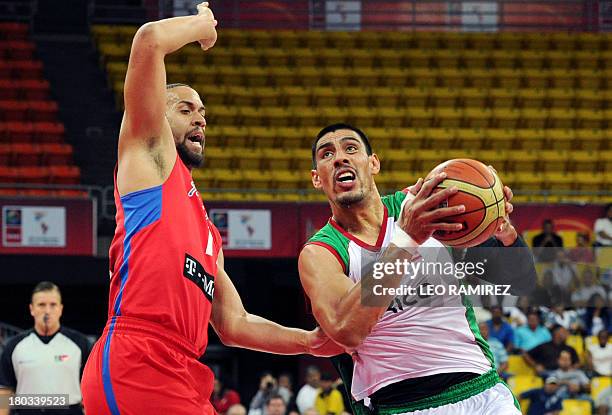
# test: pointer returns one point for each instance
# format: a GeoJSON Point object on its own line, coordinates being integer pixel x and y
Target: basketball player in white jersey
{"type": "Point", "coordinates": [405, 360]}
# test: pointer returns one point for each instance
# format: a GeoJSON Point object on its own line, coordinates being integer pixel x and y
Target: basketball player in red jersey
{"type": "Point", "coordinates": [166, 263]}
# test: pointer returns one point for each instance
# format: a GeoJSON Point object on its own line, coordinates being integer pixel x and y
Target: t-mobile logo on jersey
{"type": "Point", "coordinates": [195, 272]}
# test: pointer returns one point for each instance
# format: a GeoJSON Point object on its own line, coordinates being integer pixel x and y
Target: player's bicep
{"type": "Point", "coordinates": [144, 89]}
{"type": "Point", "coordinates": [325, 284]}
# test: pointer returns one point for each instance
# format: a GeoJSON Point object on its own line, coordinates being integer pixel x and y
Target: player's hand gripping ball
{"type": "Point", "coordinates": [482, 194]}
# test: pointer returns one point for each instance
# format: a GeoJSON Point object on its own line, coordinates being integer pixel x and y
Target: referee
{"type": "Point", "coordinates": [45, 360]}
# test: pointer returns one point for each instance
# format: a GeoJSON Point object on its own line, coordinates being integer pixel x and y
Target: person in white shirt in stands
{"type": "Point", "coordinates": [599, 355]}
{"type": "Point", "coordinates": [603, 229]}
{"type": "Point", "coordinates": [308, 393]}
{"type": "Point", "coordinates": [604, 402]}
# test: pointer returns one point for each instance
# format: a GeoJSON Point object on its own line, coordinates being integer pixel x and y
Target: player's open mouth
{"type": "Point", "coordinates": [345, 178]}
{"type": "Point", "coordinates": [197, 139]}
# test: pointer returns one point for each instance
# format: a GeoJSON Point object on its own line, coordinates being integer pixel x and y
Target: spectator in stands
{"type": "Point", "coordinates": [588, 287]}
{"type": "Point", "coordinates": [603, 229]}
{"type": "Point", "coordinates": [311, 411]}
{"type": "Point", "coordinates": [500, 329]}
{"type": "Point", "coordinates": [268, 387]}
{"type": "Point", "coordinates": [285, 389]}
{"type": "Point", "coordinates": [564, 276]}
{"type": "Point", "coordinates": [559, 315]}
{"type": "Point", "coordinates": [545, 357]}
{"type": "Point", "coordinates": [544, 401]}
{"type": "Point", "coordinates": [604, 402]}
{"type": "Point", "coordinates": [500, 355]}
{"type": "Point", "coordinates": [223, 397]}
{"type": "Point", "coordinates": [546, 244]}
{"type": "Point", "coordinates": [575, 382]}
{"type": "Point", "coordinates": [597, 316]}
{"type": "Point", "coordinates": [532, 334]}
{"type": "Point", "coordinates": [517, 314]}
{"type": "Point", "coordinates": [49, 358]}
{"type": "Point", "coordinates": [308, 393]}
{"type": "Point", "coordinates": [329, 399]}
{"type": "Point", "coordinates": [582, 252]}
{"type": "Point", "coordinates": [236, 409]}
{"type": "Point", "coordinates": [599, 355]}
{"type": "Point", "coordinates": [275, 405]}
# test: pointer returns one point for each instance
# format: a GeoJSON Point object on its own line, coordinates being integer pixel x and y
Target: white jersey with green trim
{"type": "Point", "coordinates": [437, 335]}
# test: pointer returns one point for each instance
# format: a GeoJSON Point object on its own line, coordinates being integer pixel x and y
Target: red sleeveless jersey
{"type": "Point", "coordinates": [163, 258]}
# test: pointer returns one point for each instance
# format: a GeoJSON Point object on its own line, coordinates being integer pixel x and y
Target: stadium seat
{"type": "Point", "coordinates": [577, 343]}
{"type": "Point", "coordinates": [517, 365]}
{"type": "Point", "coordinates": [521, 383]}
{"type": "Point", "coordinates": [575, 407]}
{"type": "Point", "coordinates": [598, 385]}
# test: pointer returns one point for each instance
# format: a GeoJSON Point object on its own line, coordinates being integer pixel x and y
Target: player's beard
{"type": "Point", "coordinates": [191, 159]}
{"type": "Point", "coordinates": [348, 199]}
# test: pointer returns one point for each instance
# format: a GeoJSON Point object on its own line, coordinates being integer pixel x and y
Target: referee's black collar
{"type": "Point", "coordinates": [46, 339]}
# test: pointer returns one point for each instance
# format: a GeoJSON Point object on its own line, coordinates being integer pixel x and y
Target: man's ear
{"type": "Point", "coordinates": [375, 163]}
{"type": "Point", "coordinates": [316, 180]}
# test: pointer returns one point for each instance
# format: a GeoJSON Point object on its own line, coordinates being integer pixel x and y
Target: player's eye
{"type": "Point", "coordinates": [186, 112]}
{"type": "Point", "coordinates": [351, 148]}
{"type": "Point", "coordinates": [327, 154]}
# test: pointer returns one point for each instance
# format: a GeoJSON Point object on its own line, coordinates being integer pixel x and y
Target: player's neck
{"type": "Point", "coordinates": [360, 219]}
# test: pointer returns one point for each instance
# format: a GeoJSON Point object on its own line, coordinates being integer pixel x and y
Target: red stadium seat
{"type": "Point", "coordinates": [34, 89]}
{"type": "Point", "coordinates": [8, 90]}
{"type": "Point", "coordinates": [26, 154]}
{"type": "Point", "coordinates": [5, 154]}
{"type": "Point", "coordinates": [31, 174]}
{"type": "Point", "coordinates": [19, 131]}
{"type": "Point", "coordinates": [13, 110]}
{"type": "Point", "coordinates": [49, 132]}
{"type": "Point", "coordinates": [56, 154]}
{"type": "Point", "coordinates": [43, 111]}
{"type": "Point", "coordinates": [13, 31]}
{"type": "Point", "coordinates": [27, 69]}
{"type": "Point", "coordinates": [16, 49]}
{"type": "Point", "coordinates": [64, 174]}
{"type": "Point", "coordinates": [71, 193]}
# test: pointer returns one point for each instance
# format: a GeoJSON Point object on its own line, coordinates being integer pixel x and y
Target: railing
{"type": "Point", "coordinates": [496, 15]}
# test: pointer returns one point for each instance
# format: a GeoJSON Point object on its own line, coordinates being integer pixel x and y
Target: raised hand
{"type": "Point", "coordinates": [209, 32]}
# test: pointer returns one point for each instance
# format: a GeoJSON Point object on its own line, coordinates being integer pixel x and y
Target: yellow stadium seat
{"type": "Point", "coordinates": [562, 78]}
{"type": "Point", "coordinates": [359, 58]}
{"type": "Point", "coordinates": [360, 97]}
{"type": "Point", "coordinates": [291, 137]}
{"type": "Point", "coordinates": [590, 41]}
{"type": "Point", "coordinates": [381, 137]}
{"type": "Point", "coordinates": [522, 383]}
{"type": "Point", "coordinates": [422, 77]}
{"type": "Point", "coordinates": [407, 138]}
{"type": "Point", "coordinates": [234, 37]}
{"type": "Point", "coordinates": [368, 77]}
{"type": "Point", "coordinates": [452, 78]}
{"type": "Point", "coordinates": [504, 59]}
{"type": "Point", "coordinates": [560, 139]}
{"type": "Point", "coordinates": [366, 117]}
{"type": "Point", "coordinates": [557, 181]}
{"type": "Point", "coordinates": [503, 97]}
{"type": "Point", "coordinates": [506, 117]}
{"type": "Point", "coordinates": [590, 119]}
{"type": "Point", "coordinates": [369, 40]}
{"type": "Point", "coordinates": [522, 161]}
{"type": "Point", "coordinates": [287, 179]}
{"type": "Point", "coordinates": [559, 59]}
{"type": "Point", "coordinates": [560, 98]}
{"type": "Point", "coordinates": [536, 78]}
{"type": "Point", "coordinates": [307, 76]}
{"type": "Point", "coordinates": [586, 59]}
{"type": "Point", "coordinates": [330, 58]}
{"type": "Point", "coordinates": [438, 138]}
{"type": "Point", "coordinates": [590, 139]}
{"type": "Point", "coordinates": [598, 384]}
{"type": "Point", "coordinates": [256, 179]}
{"type": "Point", "coordinates": [306, 117]}
{"type": "Point", "coordinates": [561, 118]}
{"type": "Point", "coordinates": [444, 97]}
{"type": "Point", "coordinates": [530, 59]}
{"type": "Point", "coordinates": [414, 97]}
{"type": "Point", "coordinates": [531, 98]}
{"type": "Point", "coordinates": [261, 137]}
{"type": "Point", "coordinates": [448, 117]}
{"type": "Point", "coordinates": [591, 98]}
{"type": "Point", "coordinates": [575, 407]}
{"type": "Point", "coordinates": [249, 158]}
{"type": "Point", "coordinates": [419, 58]}
{"type": "Point", "coordinates": [476, 58]}
{"type": "Point", "coordinates": [275, 57]}
{"type": "Point", "coordinates": [301, 57]}
{"type": "Point", "coordinates": [590, 78]}
{"type": "Point", "coordinates": [256, 76]}
{"type": "Point", "coordinates": [477, 117]}
{"type": "Point", "coordinates": [474, 97]}
{"type": "Point", "coordinates": [492, 157]}
{"type": "Point", "coordinates": [605, 160]}
{"type": "Point", "coordinates": [532, 139]}
{"type": "Point", "coordinates": [386, 58]}
{"type": "Point", "coordinates": [509, 78]}
{"type": "Point", "coordinates": [500, 138]}
{"type": "Point", "coordinates": [517, 366]}
{"type": "Point", "coordinates": [592, 182]}
{"type": "Point", "coordinates": [400, 159]}
{"type": "Point", "coordinates": [534, 118]}
{"type": "Point", "coordinates": [553, 161]}
{"type": "Point", "coordinates": [472, 138]}
{"type": "Point", "coordinates": [482, 41]}
{"type": "Point", "coordinates": [298, 96]}
{"type": "Point", "coordinates": [301, 159]}
{"type": "Point", "coordinates": [222, 115]}
{"type": "Point", "coordinates": [481, 78]}
{"type": "Point", "coordinates": [247, 57]}
{"type": "Point", "coordinates": [325, 96]}
{"type": "Point", "coordinates": [239, 96]}
{"type": "Point", "coordinates": [382, 97]}
{"type": "Point", "coordinates": [413, 117]}
{"type": "Point", "coordinates": [261, 39]}
{"type": "Point", "coordinates": [226, 178]}
{"type": "Point", "coordinates": [535, 41]}
{"type": "Point", "coordinates": [583, 161]}
{"type": "Point", "coordinates": [331, 115]}
{"type": "Point", "coordinates": [234, 136]}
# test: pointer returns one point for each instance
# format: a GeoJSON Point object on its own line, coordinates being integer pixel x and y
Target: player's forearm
{"type": "Point", "coordinates": [257, 333]}
{"type": "Point", "coordinates": [171, 34]}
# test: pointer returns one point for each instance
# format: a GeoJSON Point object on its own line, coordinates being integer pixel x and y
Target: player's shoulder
{"type": "Point", "coordinates": [394, 201]}
{"type": "Point", "coordinates": [331, 239]}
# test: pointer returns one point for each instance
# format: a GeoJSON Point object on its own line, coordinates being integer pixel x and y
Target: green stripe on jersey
{"type": "Point", "coordinates": [473, 323]}
{"type": "Point", "coordinates": [334, 239]}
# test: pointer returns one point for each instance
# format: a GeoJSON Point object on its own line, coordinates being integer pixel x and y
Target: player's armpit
{"type": "Point", "coordinates": [238, 328]}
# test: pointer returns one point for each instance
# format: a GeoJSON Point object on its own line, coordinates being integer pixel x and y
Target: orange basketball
{"type": "Point", "coordinates": [482, 194]}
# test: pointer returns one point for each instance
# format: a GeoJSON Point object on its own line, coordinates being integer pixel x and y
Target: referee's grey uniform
{"type": "Point", "coordinates": [34, 364]}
